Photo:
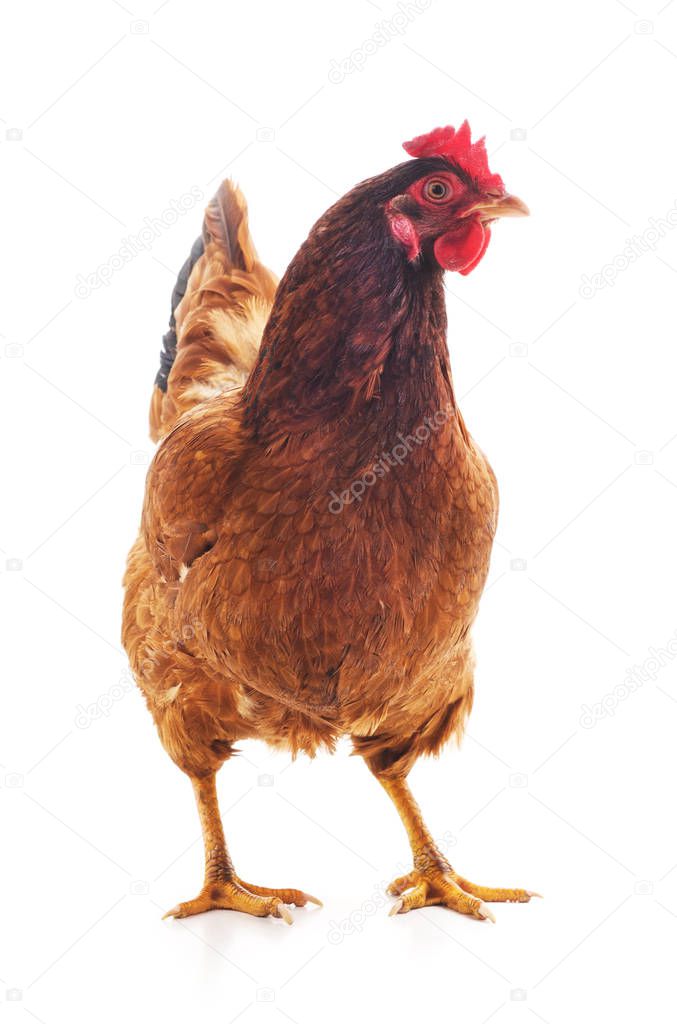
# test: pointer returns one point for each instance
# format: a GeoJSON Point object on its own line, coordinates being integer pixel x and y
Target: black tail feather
{"type": "Point", "coordinates": [168, 353]}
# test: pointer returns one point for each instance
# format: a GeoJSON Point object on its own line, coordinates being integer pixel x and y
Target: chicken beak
{"type": "Point", "coordinates": [499, 206]}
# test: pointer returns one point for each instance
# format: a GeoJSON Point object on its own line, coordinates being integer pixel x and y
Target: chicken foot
{"type": "Point", "coordinates": [433, 881]}
{"type": "Point", "coordinates": [223, 889]}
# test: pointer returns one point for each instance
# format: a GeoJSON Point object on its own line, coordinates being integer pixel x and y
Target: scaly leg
{"type": "Point", "coordinates": [433, 881]}
{"type": "Point", "coordinates": [223, 889]}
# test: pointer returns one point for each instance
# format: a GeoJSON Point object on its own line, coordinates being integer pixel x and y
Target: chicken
{"type": "Point", "coordinates": [318, 522]}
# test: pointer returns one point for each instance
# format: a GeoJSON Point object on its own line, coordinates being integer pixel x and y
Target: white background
{"type": "Point", "coordinates": [124, 108]}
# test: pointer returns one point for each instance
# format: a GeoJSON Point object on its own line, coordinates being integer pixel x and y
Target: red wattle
{"type": "Point", "coordinates": [480, 254]}
{"type": "Point", "coordinates": [462, 248]}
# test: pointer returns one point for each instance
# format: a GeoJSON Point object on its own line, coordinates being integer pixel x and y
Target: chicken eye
{"type": "Point", "coordinates": [436, 190]}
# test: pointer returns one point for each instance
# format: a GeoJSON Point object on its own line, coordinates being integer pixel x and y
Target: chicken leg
{"type": "Point", "coordinates": [223, 889]}
{"type": "Point", "coordinates": [433, 881]}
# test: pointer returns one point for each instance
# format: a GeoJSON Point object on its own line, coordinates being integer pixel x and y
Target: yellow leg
{"type": "Point", "coordinates": [433, 881]}
{"type": "Point", "coordinates": [223, 889]}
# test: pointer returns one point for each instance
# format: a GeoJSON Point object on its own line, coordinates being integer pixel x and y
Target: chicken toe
{"type": "Point", "coordinates": [232, 894]}
{"type": "Point", "coordinates": [435, 887]}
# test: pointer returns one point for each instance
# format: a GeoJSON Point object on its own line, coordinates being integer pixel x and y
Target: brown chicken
{"type": "Point", "coordinates": [318, 522]}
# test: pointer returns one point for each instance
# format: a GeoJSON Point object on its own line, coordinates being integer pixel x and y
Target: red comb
{"type": "Point", "coordinates": [456, 145]}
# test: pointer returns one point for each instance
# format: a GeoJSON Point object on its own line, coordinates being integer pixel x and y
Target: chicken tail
{"type": "Point", "coordinates": [220, 305]}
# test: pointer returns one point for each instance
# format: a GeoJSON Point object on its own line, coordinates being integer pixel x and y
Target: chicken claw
{"type": "Point", "coordinates": [438, 886]}
{"type": "Point", "coordinates": [433, 881]}
{"type": "Point", "coordinates": [234, 894]}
